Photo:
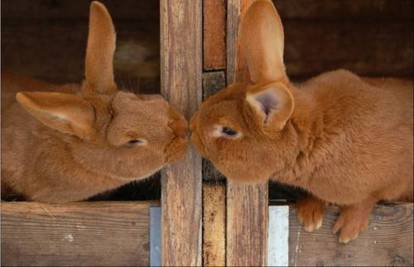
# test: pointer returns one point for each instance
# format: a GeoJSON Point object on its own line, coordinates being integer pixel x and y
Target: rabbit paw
{"type": "Point", "coordinates": [352, 221]}
{"type": "Point", "coordinates": [310, 213]}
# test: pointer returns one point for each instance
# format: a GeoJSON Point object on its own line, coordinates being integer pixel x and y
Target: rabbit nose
{"type": "Point", "coordinates": [193, 121]}
{"type": "Point", "coordinates": [182, 133]}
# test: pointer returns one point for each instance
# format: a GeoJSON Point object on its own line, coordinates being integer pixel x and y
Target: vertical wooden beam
{"type": "Point", "coordinates": [247, 205]}
{"type": "Point", "coordinates": [214, 29]}
{"type": "Point", "coordinates": [214, 224]}
{"type": "Point", "coordinates": [181, 84]}
{"type": "Point", "coordinates": [247, 223]}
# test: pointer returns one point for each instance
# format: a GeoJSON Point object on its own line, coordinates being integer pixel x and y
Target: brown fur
{"type": "Point", "coordinates": [345, 139]}
{"type": "Point", "coordinates": [68, 142]}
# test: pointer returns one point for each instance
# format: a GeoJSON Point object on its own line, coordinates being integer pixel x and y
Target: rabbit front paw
{"type": "Point", "coordinates": [352, 221]}
{"type": "Point", "coordinates": [310, 211]}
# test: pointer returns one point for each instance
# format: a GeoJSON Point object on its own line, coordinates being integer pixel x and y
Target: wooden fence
{"type": "Point", "coordinates": [203, 220]}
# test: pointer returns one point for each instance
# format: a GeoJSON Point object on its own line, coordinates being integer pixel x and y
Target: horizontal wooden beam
{"type": "Point", "coordinates": [75, 234]}
{"type": "Point", "coordinates": [388, 241]}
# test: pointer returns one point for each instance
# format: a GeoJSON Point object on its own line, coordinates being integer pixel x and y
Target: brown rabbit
{"type": "Point", "coordinates": [347, 140]}
{"type": "Point", "coordinates": [67, 143]}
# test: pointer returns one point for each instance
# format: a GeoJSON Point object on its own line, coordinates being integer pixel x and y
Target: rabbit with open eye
{"type": "Point", "coordinates": [70, 142]}
{"type": "Point", "coordinates": [347, 140]}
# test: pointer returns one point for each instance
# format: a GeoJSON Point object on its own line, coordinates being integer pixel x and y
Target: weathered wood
{"type": "Point", "coordinates": [247, 209]}
{"type": "Point", "coordinates": [78, 9]}
{"type": "Point", "coordinates": [348, 10]}
{"type": "Point", "coordinates": [181, 68]}
{"type": "Point", "coordinates": [213, 82]}
{"type": "Point", "coordinates": [388, 241]}
{"type": "Point", "coordinates": [233, 13]}
{"type": "Point", "coordinates": [75, 234]}
{"type": "Point", "coordinates": [214, 222]}
{"type": "Point", "coordinates": [214, 29]}
{"type": "Point", "coordinates": [247, 222]}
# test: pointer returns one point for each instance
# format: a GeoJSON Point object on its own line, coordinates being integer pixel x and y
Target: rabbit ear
{"type": "Point", "coordinates": [261, 44]}
{"type": "Point", "coordinates": [66, 113]}
{"type": "Point", "coordinates": [100, 50]}
{"type": "Point", "coordinates": [272, 106]}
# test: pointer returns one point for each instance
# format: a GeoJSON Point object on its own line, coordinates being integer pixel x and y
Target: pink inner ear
{"type": "Point", "coordinates": [268, 102]}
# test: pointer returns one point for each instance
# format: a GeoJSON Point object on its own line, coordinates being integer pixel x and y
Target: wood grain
{"type": "Point", "coordinates": [247, 205]}
{"type": "Point", "coordinates": [213, 82]}
{"type": "Point", "coordinates": [181, 84]}
{"type": "Point", "coordinates": [214, 224]}
{"type": "Point", "coordinates": [388, 241]}
{"type": "Point", "coordinates": [76, 234]}
{"type": "Point", "coordinates": [233, 13]}
{"type": "Point", "coordinates": [214, 30]}
{"type": "Point", "coordinates": [247, 223]}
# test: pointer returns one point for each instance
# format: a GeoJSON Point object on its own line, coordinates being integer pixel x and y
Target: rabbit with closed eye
{"type": "Point", "coordinates": [69, 142]}
{"type": "Point", "coordinates": [345, 139]}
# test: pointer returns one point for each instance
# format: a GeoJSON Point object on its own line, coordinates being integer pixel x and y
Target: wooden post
{"type": "Point", "coordinates": [247, 205]}
{"type": "Point", "coordinates": [214, 224]}
{"type": "Point", "coordinates": [181, 84]}
{"type": "Point", "coordinates": [214, 31]}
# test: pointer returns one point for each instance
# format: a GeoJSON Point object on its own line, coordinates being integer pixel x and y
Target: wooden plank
{"type": "Point", "coordinates": [349, 10]}
{"type": "Point", "coordinates": [247, 221]}
{"type": "Point", "coordinates": [181, 84]}
{"type": "Point", "coordinates": [213, 82]}
{"type": "Point", "coordinates": [247, 205]}
{"type": "Point", "coordinates": [75, 234]}
{"type": "Point", "coordinates": [214, 29]}
{"type": "Point", "coordinates": [78, 9]}
{"type": "Point", "coordinates": [388, 241]}
{"type": "Point", "coordinates": [278, 248]}
{"type": "Point", "coordinates": [233, 13]}
{"type": "Point", "coordinates": [214, 222]}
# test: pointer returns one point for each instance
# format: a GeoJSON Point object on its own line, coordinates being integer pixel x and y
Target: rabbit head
{"type": "Point", "coordinates": [106, 130]}
{"type": "Point", "coordinates": [241, 129]}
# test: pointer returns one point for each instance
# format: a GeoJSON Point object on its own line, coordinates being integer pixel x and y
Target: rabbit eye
{"type": "Point", "coordinates": [229, 131]}
{"type": "Point", "coordinates": [136, 142]}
